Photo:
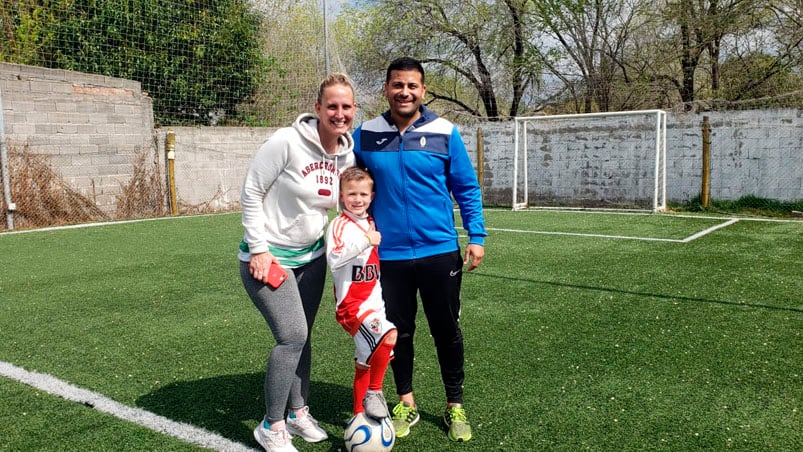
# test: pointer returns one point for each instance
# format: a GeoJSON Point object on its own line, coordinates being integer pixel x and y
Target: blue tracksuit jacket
{"type": "Point", "coordinates": [416, 175]}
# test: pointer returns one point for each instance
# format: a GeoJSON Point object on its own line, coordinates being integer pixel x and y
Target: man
{"type": "Point", "coordinates": [419, 162]}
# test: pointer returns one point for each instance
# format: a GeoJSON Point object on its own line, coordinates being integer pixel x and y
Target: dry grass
{"type": "Point", "coordinates": [216, 204]}
{"type": "Point", "coordinates": [42, 197]}
{"type": "Point", "coordinates": [144, 195]}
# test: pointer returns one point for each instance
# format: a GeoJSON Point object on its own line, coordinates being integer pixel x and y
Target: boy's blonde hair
{"type": "Point", "coordinates": [355, 173]}
{"type": "Point", "coordinates": [335, 78]}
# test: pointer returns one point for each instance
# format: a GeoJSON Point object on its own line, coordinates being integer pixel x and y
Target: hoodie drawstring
{"type": "Point", "coordinates": [336, 183]}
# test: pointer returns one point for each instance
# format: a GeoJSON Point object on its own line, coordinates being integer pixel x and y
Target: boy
{"type": "Point", "coordinates": [352, 257]}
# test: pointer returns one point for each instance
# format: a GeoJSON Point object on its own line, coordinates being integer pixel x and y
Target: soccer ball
{"type": "Point", "coordinates": [366, 434]}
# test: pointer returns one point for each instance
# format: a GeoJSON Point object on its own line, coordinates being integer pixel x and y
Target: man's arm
{"type": "Point", "coordinates": [466, 190]}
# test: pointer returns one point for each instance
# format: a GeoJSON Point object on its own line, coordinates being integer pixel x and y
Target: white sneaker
{"type": "Point", "coordinates": [273, 441]}
{"type": "Point", "coordinates": [305, 426]}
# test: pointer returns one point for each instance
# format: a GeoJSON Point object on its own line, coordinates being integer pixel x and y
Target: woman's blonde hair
{"type": "Point", "coordinates": [335, 78]}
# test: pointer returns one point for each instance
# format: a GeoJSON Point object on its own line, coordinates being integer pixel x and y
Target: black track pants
{"type": "Point", "coordinates": [437, 279]}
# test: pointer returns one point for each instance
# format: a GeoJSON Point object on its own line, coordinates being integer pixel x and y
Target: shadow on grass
{"type": "Point", "coordinates": [231, 405]}
{"type": "Point", "coordinates": [643, 294]}
{"type": "Point", "coordinates": [434, 418]}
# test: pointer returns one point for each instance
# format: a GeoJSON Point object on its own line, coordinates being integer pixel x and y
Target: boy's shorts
{"type": "Point", "coordinates": [372, 330]}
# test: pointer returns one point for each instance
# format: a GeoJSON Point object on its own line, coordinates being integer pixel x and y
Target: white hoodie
{"type": "Point", "coordinates": [290, 184]}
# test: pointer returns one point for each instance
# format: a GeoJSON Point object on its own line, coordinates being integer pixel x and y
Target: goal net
{"type": "Point", "coordinates": [613, 160]}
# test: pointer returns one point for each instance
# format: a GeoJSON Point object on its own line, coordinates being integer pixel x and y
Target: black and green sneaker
{"type": "Point", "coordinates": [404, 417]}
{"type": "Point", "coordinates": [457, 423]}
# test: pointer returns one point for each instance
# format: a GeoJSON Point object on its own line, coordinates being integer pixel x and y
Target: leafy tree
{"type": "Point", "coordinates": [292, 41]}
{"type": "Point", "coordinates": [24, 25]}
{"type": "Point", "coordinates": [759, 78]}
{"type": "Point", "coordinates": [766, 34]}
{"type": "Point", "coordinates": [769, 65]}
{"type": "Point", "coordinates": [196, 58]}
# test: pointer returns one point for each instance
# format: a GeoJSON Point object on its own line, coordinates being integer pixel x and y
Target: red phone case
{"type": "Point", "coordinates": [276, 275]}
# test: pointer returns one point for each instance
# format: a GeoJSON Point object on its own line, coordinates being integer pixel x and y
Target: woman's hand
{"type": "Point", "coordinates": [260, 265]}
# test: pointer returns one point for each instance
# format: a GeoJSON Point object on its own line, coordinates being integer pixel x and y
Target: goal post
{"type": "Point", "coordinates": [611, 160]}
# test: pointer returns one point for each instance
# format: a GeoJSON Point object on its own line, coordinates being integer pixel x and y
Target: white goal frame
{"type": "Point", "coordinates": [520, 153]}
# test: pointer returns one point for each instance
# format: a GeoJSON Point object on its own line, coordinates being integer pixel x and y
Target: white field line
{"type": "Point", "coordinates": [180, 217]}
{"type": "Point", "coordinates": [709, 230]}
{"type": "Point", "coordinates": [102, 223]}
{"type": "Point", "coordinates": [180, 430]}
{"type": "Point", "coordinates": [642, 213]}
{"type": "Point", "coordinates": [578, 234]}
{"type": "Point", "coordinates": [625, 237]}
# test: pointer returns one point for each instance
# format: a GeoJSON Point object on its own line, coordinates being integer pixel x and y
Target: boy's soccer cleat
{"type": "Point", "coordinates": [305, 426]}
{"type": "Point", "coordinates": [404, 417]}
{"type": "Point", "coordinates": [457, 423]}
{"type": "Point", "coordinates": [273, 441]}
{"type": "Point", "coordinates": [375, 405]}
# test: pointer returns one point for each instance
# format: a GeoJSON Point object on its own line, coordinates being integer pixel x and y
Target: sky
{"type": "Point", "coordinates": [333, 6]}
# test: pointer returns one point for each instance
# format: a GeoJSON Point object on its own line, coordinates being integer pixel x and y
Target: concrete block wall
{"type": "Point", "coordinates": [574, 161]}
{"type": "Point", "coordinates": [91, 127]}
{"type": "Point", "coordinates": [211, 163]}
{"type": "Point", "coordinates": [757, 152]}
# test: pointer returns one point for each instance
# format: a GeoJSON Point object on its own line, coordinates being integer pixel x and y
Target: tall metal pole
{"type": "Point", "coordinates": [170, 148]}
{"type": "Point", "coordinates": [4, 172]}
{"type": "Point", "coordinates": [325, 39]}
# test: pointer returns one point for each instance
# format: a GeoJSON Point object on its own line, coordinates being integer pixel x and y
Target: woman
{"type": "Point", "coordinates": [292, 181]}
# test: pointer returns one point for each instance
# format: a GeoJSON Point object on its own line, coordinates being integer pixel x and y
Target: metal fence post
{"type": "Point", "coordinates": [480, 166]}
{"type": "Point", "coordinates": [4, 171]}
{"type": "Point", "coordinates": [705, 192]}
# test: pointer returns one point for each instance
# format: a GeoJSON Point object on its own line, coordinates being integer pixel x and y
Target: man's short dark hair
{"type": "Point", "coordinates": [405, 64]}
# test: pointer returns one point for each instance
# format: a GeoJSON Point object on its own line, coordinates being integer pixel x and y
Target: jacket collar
{"type": "Point", "coordinates": [427, 116]}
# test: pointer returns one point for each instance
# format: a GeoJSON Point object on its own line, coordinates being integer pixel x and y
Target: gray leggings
{"type": "Point", "coordinates": [289, 311]}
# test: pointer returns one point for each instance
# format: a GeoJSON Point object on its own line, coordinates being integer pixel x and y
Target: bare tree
{"type": "Point", "coordinates": [473, 50]}
{"type": "Point", "coordinates": [506, 57]}
{"type": "Point", "coordinates": [593, 37]}
{"type": "Point", "coordinates": [702, 25]}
